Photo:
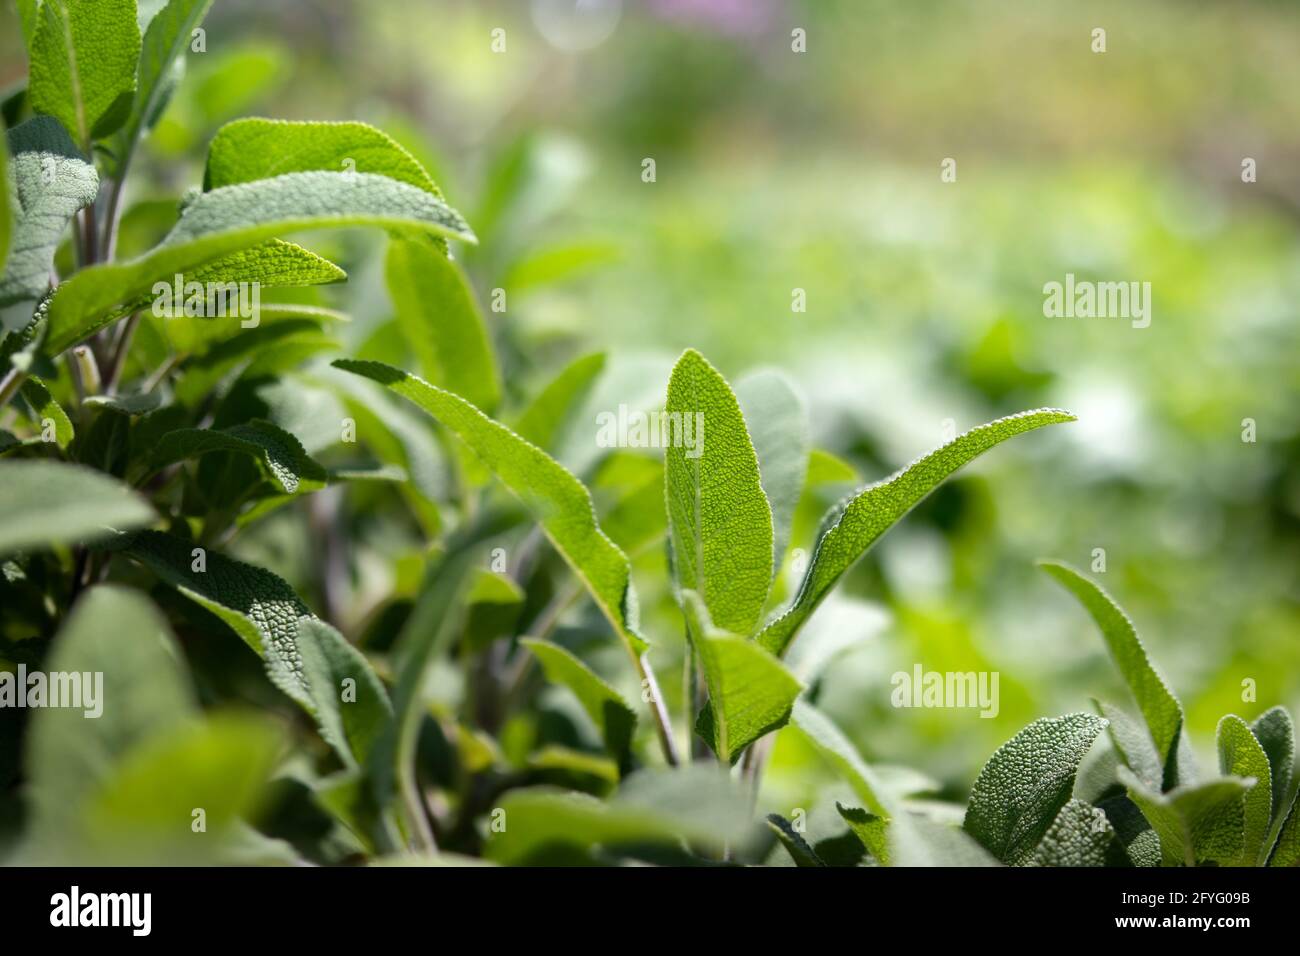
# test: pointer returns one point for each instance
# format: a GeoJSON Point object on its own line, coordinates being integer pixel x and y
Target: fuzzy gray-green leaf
{"type": "Point", "coordinates": [1197, 824]}
{"type": "Point", "coordinates": [777, 418]}
{"type": "Point", "coordinates": [1240, 755]}
{"type": "Point", "coordinates": [1026, 782]}
{"type": "Point", "coordinates": [1276, 734]}
{"type": "Point", "coordinates": [44, 503]}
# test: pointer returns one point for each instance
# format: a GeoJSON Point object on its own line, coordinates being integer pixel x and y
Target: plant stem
{"type": "Point", "coordinates": [121, 346]}
{"type": "Point", "coordinates": [663, 725]}
{"type": "Point", "coordinates": [10, 384]}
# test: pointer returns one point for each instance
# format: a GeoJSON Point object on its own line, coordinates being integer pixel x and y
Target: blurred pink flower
{"type": "Point", "coordinates": [725, 16]}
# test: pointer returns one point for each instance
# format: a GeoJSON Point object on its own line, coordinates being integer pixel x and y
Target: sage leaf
{"type": "Point", "coordinates": [793, 841]}
{"type": "Point", "coordinates": [1079, 836]}
{"type": "Point", "coordinates": [555, 498]}
{"type": "Point", "coordinates": [1240, 755]}
{"type": "Point", "coordinates": [235, 217]}
{"type": "Point", "coordinates": [49, 180]}
{"type": "Point", "coordinates": [1276, 734]}
{"type": "Point", "coordinates": [83, 61]}
{"type": "Point", "coordinates": [854, 525]}
{"type": "Point", "coordinates": [607, 709]}
{"type": "Point", "coordinates": [750, 692]}
{"type": "Point", "coordinates": [546, 416]}
{"type": "Point", "coordinates": [282, 456]}
{"type": "Point", "coordinates": [249, 149]}
{"type": "Point", "coordinates": [777, 417]}
{"type": "Point", "coordinates": [1197, 824]}
{"type": "Point", "coordinates": [45, 409]}
{"type": "Point", "coordinates": [1286, 848]}
{"type": "Point", "coordinates": [1026, 782]}
{"type": "Point", "coordinates": [719, 522]}
{"type": "Point", "coordinates": [441, 321]}
{"type": "Point", "coordinates": [45, 503]}
{"type": "Point", "coordinates": [1160, 708]}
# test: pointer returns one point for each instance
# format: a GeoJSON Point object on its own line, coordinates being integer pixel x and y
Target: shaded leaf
{"type": "Point", "coordinates": [1276, 734]}
{"type": "Point", "coordinates": [545, 417]}
{"type": "Point", "coordinates": [615, 720]}
{"type": "Point", "coordinates": [45, 503]}
{"type": "Point", "coordinates": [1079, 836]}
{"type": "Point", "coordinates": [1197, 824]}
{"type": "Point", "coordinates": [279, 452]}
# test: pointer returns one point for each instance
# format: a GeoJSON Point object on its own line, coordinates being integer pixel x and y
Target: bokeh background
{"type": "Point", "coordinates": [820, 171]}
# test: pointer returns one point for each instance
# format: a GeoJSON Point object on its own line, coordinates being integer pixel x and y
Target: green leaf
{"type": "Point", "coordinates": [719, 521]}
{"type": "Point", "coordinates": [854, 526]}
{"type": "Point", "coordinates": [1133, 743]}
{"type": "Point", "coordinates": [1026, 782]}
{"type": "Point", "coordinates": [793, 841]}
{"type": "Point", "coordinates": [1240, 755]}
{"type": "Point", "coordinates": [348, 697]}
{"type": "Point", "coordinates": [829, 741]}
{"type": "Point", "coordinates": [777, 417]}
{"type": "Point", "coordinates": [48, 182]}
{"type": "Point", "coordinates": [608, 710]}
{"type": "Point", "coordinates": [441, 321]}
{"type": "Point", "coordinates": [116, 632]}
{"type": "Point", "coordinates": [1197, 824]}
{"type": "Point", "coordinates": [7, 204]}
{"type": "Point", "coordinates": [1286, 849]}
{"type": "Point", "coordinates": [84, 57]}
{"type": "Point", "coordinates": [555, 498]}
{"type": "Point", "coordinates": [286, 463]}
{"type": "Point", "coordinates": [236, 217]}
{"type": "Point", "coordinates": [698, 804]}
{"type": "Point", "coordinates": [544, 419]}
{"type": "Point", "coordinates": [750, 692]}
{"type": "Point", "coordinates": [1079, 836]}
{"type": "Point", "coordinates": [1160, 708]}
{"type": "Point", "coordinates": [167, 34]}
{"type": "Point", "coordinates": [1276, 735]}
{"type": "Point", "coordinates": [45, 408]}
{"type": "Point", "coordinates": [1133, 832]}
{"type": "Point", "coordinates": [45, 503]}
{"type": "Point", "coordinates": [254, 148]}
{"type": "Point", "coordinates": [145, 811]}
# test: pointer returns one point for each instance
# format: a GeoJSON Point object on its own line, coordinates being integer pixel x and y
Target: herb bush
{"type": "Point", "coordinates": [475, 711]}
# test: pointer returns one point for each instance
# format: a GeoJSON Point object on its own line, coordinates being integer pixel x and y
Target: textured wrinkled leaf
{"type": "Point", "coordinates": [235, 217]}
{"type": "Point", "coordinates": [555, 498]}
{"type": "Point", "coordinates": [777, 418]}
{"type": "Point", "coordinates": [829, 741]}
{"type": "Point", "coordinates": [45, 408]}
{"type": "Point", "coordinates": [1133, 831]}
{"type": "Point", "coordinates": [698, 804]}
{"type": "Point", "coordinates": [793, 841]}
{"type": "Point", "coordinates": [1132, 743]}
{"type": "Point", "coordinates": [279, 452]}
{"type": "Point", "coordinates": [441, 321]}
{"type": "Point", "coordinates": [347, 695]}
{"type": "Point", "coordinates": [118, 633]}
{"type": "Point", "coordinates": [167, 35]}
{"type": "Point", "coordinates": [49, 180]}
{"type": "Point", "coordinates": [254, 603]}
{"type": "Point", "coordinates": [1286, 848]}
{"type": "Point", "coordinates": [854, 525]}
{"type": "Point", "coordinates": [750, 692]}
{"type": "Point", "coordinates": [719, 522]}
{"type": "Point", "coordinates": [254, 148]}
{"type": "Point", "coordinates": [45, 503]}
{"type": "Point", "coordinates": [1160, 708]}
{"type": "Point", "coordinates": [1079, 836]}
{"type": "Point", "coordinates": [1276, 734]}
{"type": "Point", "coordinates": [83, 62]}
{"type": "Point", "coordinates": [1240, 755]}
{"type": "Point", "coordinates": [1197, 824]}
{"type": "Point", "coordinates": [7, 204]}
{"type": "Point", "coordinates": [544, 419]}
{"type": "Point", "coordinates": [604, 705]}
{"type": "Point", "coordinates": [1026, 782]}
